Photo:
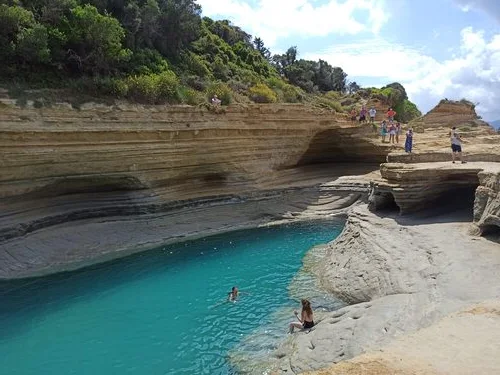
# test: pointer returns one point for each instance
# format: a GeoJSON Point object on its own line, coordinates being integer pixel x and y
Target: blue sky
{"type": "Point", "coordinates": [435, 48]}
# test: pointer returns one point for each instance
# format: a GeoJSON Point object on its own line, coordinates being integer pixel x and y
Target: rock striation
{"type": "Point", "coordinates": [101, 182]}
{"type": "Point", "coordinates": [410, 188]}
{"type": "Point", "coordinates": [53, 151]}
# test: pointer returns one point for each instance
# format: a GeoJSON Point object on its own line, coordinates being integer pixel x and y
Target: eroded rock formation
{"type": "Point", "coordinates": [100, 182]}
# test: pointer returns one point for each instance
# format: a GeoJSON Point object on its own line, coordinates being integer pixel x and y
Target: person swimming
{"type": "Point", "coordinates": [233, 294]}
{"type": "Point", "coordinates": [306, 320]}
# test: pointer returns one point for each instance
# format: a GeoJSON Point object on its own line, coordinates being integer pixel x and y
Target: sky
{"type": "Point", "coordinates": [436, 48]}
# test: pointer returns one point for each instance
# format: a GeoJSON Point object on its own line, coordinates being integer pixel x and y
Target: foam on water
{"type": "Point", "coordinates": [163, 311]}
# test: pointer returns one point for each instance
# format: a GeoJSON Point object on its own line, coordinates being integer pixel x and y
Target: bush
{"type": "Point", "coordinates": [196, 83]}
{"type": "Point", "coordinates": [260, 93]}
{"type": "Point", "coordinates": [168, 87]}
{"type": "Point", "coordinates": [112, 86]}
{"type": "Point", "coordinates": [147, 61]}
{"type": "Point", "coordinates": [292, 94]}
{"type": "Point", "coordinates": [142, 88]}
{"type": "Point", "coordinates": [328, 104]}
{"type": "Point", "coordinates": [222, 91]}
{"type": "Point", "coordinates": [190, 96]}
{"type": "Point", "coordinates": [334, 95]}
{"type": "Point", "coordinates": [154, 88]}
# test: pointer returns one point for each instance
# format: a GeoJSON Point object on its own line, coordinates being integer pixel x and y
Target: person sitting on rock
{"type": "Point", "coordinates": [409, 140]}
{"type": "Point", "coordinates": [306, 320]}
{"type": "Point", "coordinates": [216, 101]}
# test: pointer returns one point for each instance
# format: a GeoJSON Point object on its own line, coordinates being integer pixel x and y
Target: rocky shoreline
{"type": "Point", "coordinates": [401, 275]}
{"type": "Point", "coordinates": [36, 241]}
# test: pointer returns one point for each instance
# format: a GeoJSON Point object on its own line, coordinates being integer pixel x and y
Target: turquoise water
{"type": "Point", "coordinates": [160, 312]}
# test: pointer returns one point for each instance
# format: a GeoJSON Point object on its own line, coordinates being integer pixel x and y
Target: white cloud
{"type": "Point", "coordinates": [274, 19]}
{"type": "Point", "coordinates": [472, 73]}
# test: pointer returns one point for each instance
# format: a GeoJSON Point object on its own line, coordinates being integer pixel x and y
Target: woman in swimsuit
{"type": "Point", "coordinates": [306, 320]}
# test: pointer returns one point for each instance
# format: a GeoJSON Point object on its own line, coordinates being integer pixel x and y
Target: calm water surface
{"type": "Point", "coordinates": [161, 312]}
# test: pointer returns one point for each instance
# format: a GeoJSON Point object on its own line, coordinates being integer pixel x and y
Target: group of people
{"type": "Point", "coordinates": [304, 321]}
{"type": "Point", "coordinates": [363, 114]}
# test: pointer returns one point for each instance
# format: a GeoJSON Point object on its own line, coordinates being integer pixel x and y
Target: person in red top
{"type": "Point", "coordinates": [390, 114]}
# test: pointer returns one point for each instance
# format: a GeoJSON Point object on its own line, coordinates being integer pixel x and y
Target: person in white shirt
{"type": "Point", "coordinates": [372, 113]}
{"type": "Point", "coordinates": [456, 145]}
{"type": "Point", "coordinates": [216, 101]}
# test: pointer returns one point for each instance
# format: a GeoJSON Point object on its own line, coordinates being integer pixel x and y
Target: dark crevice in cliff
{"type": "Point", "coordinates": [492, 232]}
{"type": "Point", "coordinates": [459, 200]}
{"type": "Point", "coordinates": [384, 202]}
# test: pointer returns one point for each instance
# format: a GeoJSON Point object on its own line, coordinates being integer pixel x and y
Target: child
{"type": "Point", "coordinates": [383, 131]}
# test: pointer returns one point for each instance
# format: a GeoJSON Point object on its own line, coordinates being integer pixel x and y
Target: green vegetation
{"type": "Point", "coordinates": [395, 96]}
{"type": "Point", "coordinates": [161, 51]}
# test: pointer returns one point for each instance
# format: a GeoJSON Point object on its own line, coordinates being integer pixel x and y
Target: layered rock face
{"type": "Point", "coordinates": [450, 113]}
{"type": "Point", "coordinates": [441, 187]}
{"type": "Point", "coordinates": [55, 151]}
{"type": "Point", "coordinates": [101, 182]}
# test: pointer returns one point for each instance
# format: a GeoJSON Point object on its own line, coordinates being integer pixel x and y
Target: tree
{"type": "Point", "coordinates": [179, 24]}
{"type": "Point", "coordinates": [353, 87]}
{"type": "Point", "coordinates": [94, 41]}
{"type": "Point", "coordinates": [22, 39]}
{"type": "Point", "coordinates": [259, 46]}
{"type": "Point", "coordinates": [281, 62]}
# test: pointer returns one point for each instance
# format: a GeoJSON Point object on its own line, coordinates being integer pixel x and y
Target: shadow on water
{"type": "Point", "coordinates": [21, 301]}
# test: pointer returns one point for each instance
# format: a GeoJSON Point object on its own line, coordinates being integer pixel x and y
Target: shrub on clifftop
{"type": "Point", "coordinates": [260, 93]}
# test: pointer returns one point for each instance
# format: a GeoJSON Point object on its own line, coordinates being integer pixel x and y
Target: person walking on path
{"type": "Point", "coordinates": [372, 112]}
{"type": "Point", "coordinates": [383, 131]}
{"type": "Point", "coordinates": [409, 140]}
{"type": "Point", "coordinates": [456, 145]}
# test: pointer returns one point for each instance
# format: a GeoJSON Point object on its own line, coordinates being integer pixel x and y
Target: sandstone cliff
{"type": "Point", "coordinates": [101, 182]}
{"type": "Point", "coordinates": [183, 149]}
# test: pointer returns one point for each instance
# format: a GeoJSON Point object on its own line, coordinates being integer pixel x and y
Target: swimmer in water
{"type": "Point", "coordinates": [233, 294]}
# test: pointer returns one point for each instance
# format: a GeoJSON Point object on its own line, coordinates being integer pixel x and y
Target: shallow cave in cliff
{"type": "Point", "coordinates": [341, 145]}
{"type": "Point", "coordinates": [491, 231]}
{"type": "Point", "coordinates": [457, 200]}
{"type": "Point", "coordinates": [384, 202]}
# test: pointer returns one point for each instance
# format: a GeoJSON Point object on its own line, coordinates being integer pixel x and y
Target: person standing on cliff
{"type": "Point", "coordinates": [353, 115]}
{"type": "Point", "coordinates": [383, 131]}
{"type": "Point", "coordinates": [362, 115]}
{"type": "Point", "coordinates": [456, 145]}
{"type": "Point", "coordinates": [409, 140]}
{"type": "Point", "coordinates": [372, 113]}
{"type": "Point", "coordinates": [390, 115]}
{"type": "Point", "coordinates": [398, 131]}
